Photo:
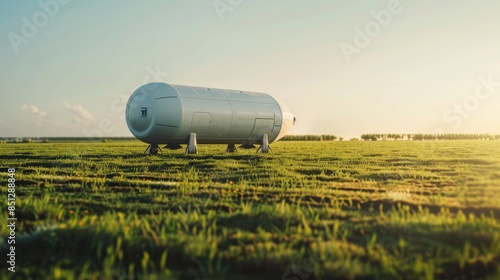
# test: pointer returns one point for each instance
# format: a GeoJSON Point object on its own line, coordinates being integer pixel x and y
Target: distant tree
{"type": "Point", "coordinates": [365, 137]}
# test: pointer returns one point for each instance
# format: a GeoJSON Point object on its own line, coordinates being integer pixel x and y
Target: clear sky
{"type": "Point", "coordinates": [344, 67]}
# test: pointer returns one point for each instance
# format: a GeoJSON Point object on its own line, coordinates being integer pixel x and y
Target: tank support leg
{"type": "Point", "coordinates": [192, 146]}
{"type": "Point", "coordinates": [152, 149]}
{"type": "Point", "coordinates": [264, 145]}
{"type": "Point", "coordinates": [231, 148]}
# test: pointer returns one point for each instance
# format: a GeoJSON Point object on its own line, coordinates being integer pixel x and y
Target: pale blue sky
{"type": "Point", "coordinates": [413, 72]}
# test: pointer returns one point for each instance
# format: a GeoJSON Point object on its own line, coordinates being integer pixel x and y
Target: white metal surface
{"type": "Point", "coordinates": [159, 113]}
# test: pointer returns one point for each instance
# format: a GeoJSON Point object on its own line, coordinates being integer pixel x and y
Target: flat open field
{"type": "Point", "coordinates": [310, 210]}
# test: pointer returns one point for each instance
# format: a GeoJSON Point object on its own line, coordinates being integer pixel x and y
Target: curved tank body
{"type": "Point", "coordinates": [160, 113]}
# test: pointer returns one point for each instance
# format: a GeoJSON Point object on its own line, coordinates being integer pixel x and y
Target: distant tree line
{"type": "Point", "coordinates": [323, 137]}
{"type": "Point", "coordinates": [307, 137]}
{"type": "Point", "coordinates": [59, 139]}
{"type": "Point", "coordinates": [422, 136]}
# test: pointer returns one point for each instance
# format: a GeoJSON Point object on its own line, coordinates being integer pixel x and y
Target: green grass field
{"type": "Point", "coordinates": [310, 210]}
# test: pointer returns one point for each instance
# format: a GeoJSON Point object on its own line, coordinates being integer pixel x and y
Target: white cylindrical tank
{"type": "Point", "coordinates": [159, 113]}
